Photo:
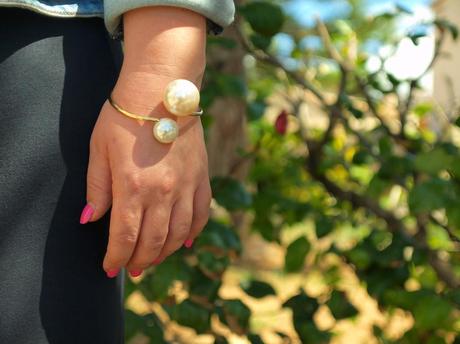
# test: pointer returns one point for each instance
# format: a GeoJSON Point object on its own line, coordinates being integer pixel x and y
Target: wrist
{"type": "Point", "coordinates": [164, 40]}
{"type": "Point", "coordinates": [161, 44]}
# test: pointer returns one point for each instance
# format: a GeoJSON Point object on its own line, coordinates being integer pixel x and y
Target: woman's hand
{"type": "Point", "coordinates": [160, 193]}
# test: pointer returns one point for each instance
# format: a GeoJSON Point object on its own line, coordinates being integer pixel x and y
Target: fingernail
{"type": "Point", "coordinates": [113, 273]}
{"type": "Point", "coordinates": [157, 261]}
{"type": "Point", "coordinates": [86, 214]}
{"type": "Point", "coordinates": [135, 273]}
{"type": "Point", "coordinates": [188, 243]}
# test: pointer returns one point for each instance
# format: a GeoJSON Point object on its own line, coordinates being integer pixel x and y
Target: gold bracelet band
{"type": "Point", "coordinates": [130, 114]}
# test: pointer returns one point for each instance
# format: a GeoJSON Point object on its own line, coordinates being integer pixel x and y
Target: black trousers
{"type": "Point", "coordinates": [55, 74]}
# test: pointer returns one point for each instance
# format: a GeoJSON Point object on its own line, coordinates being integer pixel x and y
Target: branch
{"type": "Point", "coordinates": [449, 231]}
{"type": "Point", "coordinates": [345, 66]}
{"type": "Point", "coordinates": [264, 56]}
{"type": "Point", "coordinates": [442, 268]}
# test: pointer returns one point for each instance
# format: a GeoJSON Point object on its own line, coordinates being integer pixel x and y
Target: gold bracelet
{"type": "Point", "coordinates": [181, 99]}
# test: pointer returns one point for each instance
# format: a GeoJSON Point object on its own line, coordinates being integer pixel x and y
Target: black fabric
{"type": "Point", "coordinates": [55, 75]}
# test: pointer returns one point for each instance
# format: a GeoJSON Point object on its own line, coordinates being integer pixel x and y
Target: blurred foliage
{"type": "Point", "coordinates": [376, 171]}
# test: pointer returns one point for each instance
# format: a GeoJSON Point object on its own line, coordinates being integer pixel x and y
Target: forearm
{"type": "Point", "coordinates": [161, 44]}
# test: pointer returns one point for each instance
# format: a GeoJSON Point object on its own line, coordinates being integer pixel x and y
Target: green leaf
{"type": "Point", "coordinates": [359, 257]}
{"type": "Point", "coordinates": [323, 226]}
{"type": "Point", "coordinates": [255, 339]}
{"type": "Point", "coordinates": [133, 324]}
{"type": "Point", "coordinates": [230, 193]}
{"type": "Point", "coordinates": [259, 41]}
{"type": "Point", "coordinates": [223, 42]}
{"type": "Point", "coordinates": [156, 285]}
{"type": "Point", "coordinates": [453, 216]}
{"type": "Point", "coordinates": [303, 306]}
{"type": "Point", "coordinates": [429, 195]}
{"type": "Point", "coordinates": [220, 340]}
{"type": "Point", "coordinates": [310, 334]}
{"type": "Point", "coordinates": [202, 286]}
{"type": "Point", "coordinates": [256, 110]}
{"type": "Point", "coordinates": [394, 80]}
{"type": "Point", "coordinates": [216, 235]}
{"type": "Point", "coordinates": [361, 157]}
{"type": "Point", "coordinates": [402, 298]}
{"type": "Point", "coordinates": [415, 37]}
{"type": "Point", "coordinates": [191, 314]}
{"type": "Point", "coordinates": [340, 307]}
{"type": "Point", "coordinates": [236, 315]}
{"type": "Point", "coordinates": [265, 18]}
{"type": "Point", "coordinates": [211, 265]}
{"type": "Point", "coordinates": [422, 109]}
{"type": "Point", "coordinates": [149, 325]}
{"type": "Point", "coordinates": [457, 121]}
{"type": "Point", "coordinates": [257, 289]}
{"type": "Point", "coordinates": [433, 162]}
{"type": "Point", "coordinates": [296, 253]}
{"type": "Point", "coordinates": [432, 312]}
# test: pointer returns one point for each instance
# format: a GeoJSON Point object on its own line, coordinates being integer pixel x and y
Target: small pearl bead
{"type": "Point", "coordinates": [181, 97]}
{"type": "Point", "coordinates": [165, 130]}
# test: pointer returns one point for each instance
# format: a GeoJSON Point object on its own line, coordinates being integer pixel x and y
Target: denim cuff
{"type": "Point", "coordinates": [219, 13]}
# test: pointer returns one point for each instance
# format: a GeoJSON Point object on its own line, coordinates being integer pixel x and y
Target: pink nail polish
{"type": "Point", "coordinates": [113, 273]}
{"type": "Point", "coordinates": [135, 273]}
{"type": "Point", "coordinates": [157, 261]}
{"type": "Point", "coordinates": [188, 243]}
{"type": "Point", "coordinates": [86, 214]}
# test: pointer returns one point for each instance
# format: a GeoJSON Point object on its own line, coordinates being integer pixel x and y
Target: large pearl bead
{"type": "Point", "coordinates": [181, 97]}
{"type": "Point", "coordinates": [165, 130]}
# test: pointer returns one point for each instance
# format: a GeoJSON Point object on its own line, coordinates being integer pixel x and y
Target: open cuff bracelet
{"type": "Point", "coordinates": [181, 98]}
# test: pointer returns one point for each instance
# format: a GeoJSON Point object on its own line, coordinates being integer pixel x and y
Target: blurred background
{"type": "Point", "coordinates": [332, 129]}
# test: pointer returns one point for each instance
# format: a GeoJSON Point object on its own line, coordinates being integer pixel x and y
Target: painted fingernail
{"type": "Point", "coordinates": [188, 243]}
{"type": "Point", "coordinates": [86, 214]}
{"type": "Point", "coordinates": [157, 261]}
{"type": "Point", "coordinates": [113, 273]}
{"type": "Point", "coordinates": [135, 273]}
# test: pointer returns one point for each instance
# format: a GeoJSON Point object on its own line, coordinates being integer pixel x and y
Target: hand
{"type": "Point", "coordinates": [160, 193]}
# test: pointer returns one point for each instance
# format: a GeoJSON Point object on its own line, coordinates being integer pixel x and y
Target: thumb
{"type": "Point", "coordinates": [98, 187]}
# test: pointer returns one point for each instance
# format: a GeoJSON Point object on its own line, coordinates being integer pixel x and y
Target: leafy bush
{"type": "Point", "coordinates": [370, 169]}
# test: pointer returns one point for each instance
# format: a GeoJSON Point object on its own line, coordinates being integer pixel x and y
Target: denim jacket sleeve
{"type": "Point", "coordinates": [219, 13]}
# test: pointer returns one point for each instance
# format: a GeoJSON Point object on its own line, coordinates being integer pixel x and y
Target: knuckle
{"type": "Point", "coordinates": [155, 242]}
{"type": "Point", "coordinates": [167, 183]}
{"type": "Point", "coordinates": [133, 182]}
{"type": "Point", "coordinates": [128, 219]}
{"type": "Point", "coordinates": [125, 238]}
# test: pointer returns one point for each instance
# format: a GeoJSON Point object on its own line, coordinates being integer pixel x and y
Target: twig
{"type": "Point", "coordinates": [345, 66]}
{"type": "Point", "coordinates": [449, 231]}
{"type": "Point", "coordinates": [263, 56]}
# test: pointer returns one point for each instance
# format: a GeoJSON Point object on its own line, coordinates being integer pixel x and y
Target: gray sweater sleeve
{"type": "Point", "coordinates": [220, 13]}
